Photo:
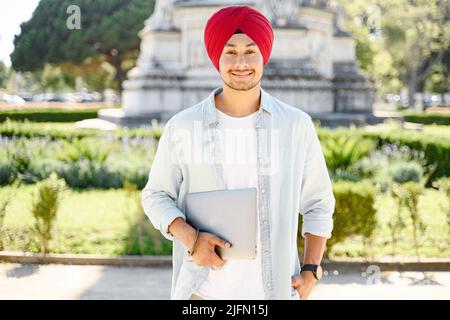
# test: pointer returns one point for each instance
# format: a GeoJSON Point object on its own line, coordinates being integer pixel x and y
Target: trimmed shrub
{"type": "Point", "coordinates": [354, 213]}
{"type": "Point", "coordinates": [26, 129]}
{"type": "Point", "coordinates": [30, 130]}
{"type": "Point", "coordinates": [428, 118]}
{"type": "Point", "coordinates": [48, 115]}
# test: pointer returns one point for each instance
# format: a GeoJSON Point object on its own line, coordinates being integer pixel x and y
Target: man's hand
{"type": "Point", "coordinates": [205, 253]}
{"type": "Point", "coordinates": [304, 284]}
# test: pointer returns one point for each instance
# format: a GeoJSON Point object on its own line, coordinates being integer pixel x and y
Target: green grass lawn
{"type": "Point", "coordinates": [94, 221]}
{"type": "Point", "coordinates": [437, 130]}
{"type": "Point", "coordinates": [110, 222]}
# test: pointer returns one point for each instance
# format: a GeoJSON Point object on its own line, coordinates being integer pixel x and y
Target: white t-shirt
{"type": "Point", "coordinates": [237, 279]}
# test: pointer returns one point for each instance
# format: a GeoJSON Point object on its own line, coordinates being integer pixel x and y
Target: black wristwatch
{"type": "Point", "coordinates": [314, 268]}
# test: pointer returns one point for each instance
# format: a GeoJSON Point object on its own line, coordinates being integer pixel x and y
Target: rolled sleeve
{"type": "Point", "coordinates": [316, 200]}
{"type": "Point", "coordinates": [160, 194]}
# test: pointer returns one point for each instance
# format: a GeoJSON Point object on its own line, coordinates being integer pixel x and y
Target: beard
{"type": "Point", "coordinates": [241, 85]}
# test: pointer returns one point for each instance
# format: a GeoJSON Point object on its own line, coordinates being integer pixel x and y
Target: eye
{"type": "Point", "coordinates": [230, 52]}
{"type": "Point", "coordinates": [251, 52]}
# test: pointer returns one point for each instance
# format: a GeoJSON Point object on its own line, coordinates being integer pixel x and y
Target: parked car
{"type": "Point", "coordinates": [432, 100]}
{"type": "Point", "coordinates": [13, 99]}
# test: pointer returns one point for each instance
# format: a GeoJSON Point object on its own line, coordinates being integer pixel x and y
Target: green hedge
{"type": "Point", "coordinates": [436, 149]}
{"type": "Point", "coordinates": [30, 130]}
{"type": "Point", "coordinates": [430, 118]}
{"type": "Point", "coordinates": [48, 115]}
{"type": "Point", "coordinates": [354, 214]}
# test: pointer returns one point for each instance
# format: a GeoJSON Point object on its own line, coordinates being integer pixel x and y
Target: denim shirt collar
{"type": "Point", "coordinates": [209, 110]}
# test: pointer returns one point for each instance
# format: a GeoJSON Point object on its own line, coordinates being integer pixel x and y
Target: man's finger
{"type": "Point", "coordinates": [221, 243]}
{"type": "Point", "coordinates": [296, 281]}
{"type": "Point", "coordinates": [304, 295]}
{"type": "Point", "coordinates": [217, 261]}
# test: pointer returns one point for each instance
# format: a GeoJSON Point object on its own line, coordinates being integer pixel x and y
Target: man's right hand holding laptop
{"type": "Point", "coordinates": [204, 252]}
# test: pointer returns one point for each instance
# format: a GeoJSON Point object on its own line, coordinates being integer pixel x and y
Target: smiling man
{"type": "Point", "coordinates": [240, 137]}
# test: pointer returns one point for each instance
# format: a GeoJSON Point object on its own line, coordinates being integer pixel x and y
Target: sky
{"type": "Point", "coordinates": [12, 14]}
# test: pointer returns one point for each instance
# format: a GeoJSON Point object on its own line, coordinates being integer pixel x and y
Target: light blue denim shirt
{"type": "Point", "coordinates": [292, 179]}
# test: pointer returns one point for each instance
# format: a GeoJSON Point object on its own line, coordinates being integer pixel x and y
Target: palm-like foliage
{"type": "Point", "coordinates": [343, 151]}
{"type": "Point", "coordinates": [83, 149]}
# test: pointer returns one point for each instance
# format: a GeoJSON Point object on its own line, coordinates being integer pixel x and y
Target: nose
{"type": "Point", "coordinates": [241, 62]}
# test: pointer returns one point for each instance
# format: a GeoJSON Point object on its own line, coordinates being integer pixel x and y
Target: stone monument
{"type": "Point", "coordinates": [313, 64]}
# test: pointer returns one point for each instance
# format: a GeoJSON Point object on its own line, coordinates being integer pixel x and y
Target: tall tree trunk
{"type": "Point", "coordinates": [116, 62]}
{"type": "Point", "coordinates": [412, 87]}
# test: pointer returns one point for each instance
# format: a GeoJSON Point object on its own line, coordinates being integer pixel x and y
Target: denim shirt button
{"type": "Point", "coordinates": [263, 190]}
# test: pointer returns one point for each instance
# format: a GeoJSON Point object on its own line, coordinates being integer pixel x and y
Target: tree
{"type": "Point", "coordinates": [419, 32]}
{"type": "Point", "coordinates": [4, 74]}
{"type": "Point", "coordinates": [439, 80]}
{"type": "Point", "coordinates": [108, 31]}
{"type": "Point", "coordinates": [413, 38]}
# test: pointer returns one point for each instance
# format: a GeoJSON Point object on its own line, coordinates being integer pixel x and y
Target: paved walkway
{"type": "Point", "coordinates": [19, 281]}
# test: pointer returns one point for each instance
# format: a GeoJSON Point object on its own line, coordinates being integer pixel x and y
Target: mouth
{"type": "Point", "coordinates": [244, 74]}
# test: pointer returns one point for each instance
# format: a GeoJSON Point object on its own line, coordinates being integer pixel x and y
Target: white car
{"type": "Point", "coordinates": [13, 99]}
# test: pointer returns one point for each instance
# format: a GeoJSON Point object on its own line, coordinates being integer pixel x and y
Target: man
{"type": "Point", "coordinates": [283, 160]}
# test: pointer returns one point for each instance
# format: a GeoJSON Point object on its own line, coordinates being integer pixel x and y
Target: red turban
{"type": "Point", "coordinates": [224, 23]}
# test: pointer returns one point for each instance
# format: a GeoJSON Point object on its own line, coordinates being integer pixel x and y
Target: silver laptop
{"type": "Point", "coordinates": [230, 215]}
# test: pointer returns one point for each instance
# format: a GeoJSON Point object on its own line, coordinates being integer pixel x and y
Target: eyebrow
{"type": "Point", "coordinates": [232, 45]}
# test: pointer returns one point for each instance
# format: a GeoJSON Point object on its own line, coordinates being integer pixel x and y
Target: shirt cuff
{"type": "Point", "coordinates": [321, 228]}
{"type": "Point", "coordinates": [169, 217]}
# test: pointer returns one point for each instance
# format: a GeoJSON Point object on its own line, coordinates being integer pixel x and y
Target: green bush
{"type": "Point", "coordinates": [15, 159]}
{"type": "Point", "coordinates": [354, 213]}
{"type": "Point", "coordinates": [406, 172]}
{"type": "Point", "coordinates": [345, 175]}
{"type": "Point", "coordinates": [48, 115]}
{"type": "Point", "coordinates": [83, 149]}
{"type": "Point", "coordinates": [428, 118]}
{"type": "Point", "coordinates": [435, 149]}
{"type": "Point", "coordinates": [85, 174]}
{"type": "Point", "coordinates": [6, 172]}
{"type": "Point", "coordinates": [45, 207]}
{"type": "Point", "coordinates": [342, 151]}
{"type": "Point", "coordinates": [93, 162]}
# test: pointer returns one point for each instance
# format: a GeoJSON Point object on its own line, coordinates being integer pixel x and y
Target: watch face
{"type": "Point", "coordinates": [319, 272]}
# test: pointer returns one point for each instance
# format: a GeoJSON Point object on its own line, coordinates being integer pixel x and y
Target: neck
{"type": "Point", "coordinates": [238, 103]}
